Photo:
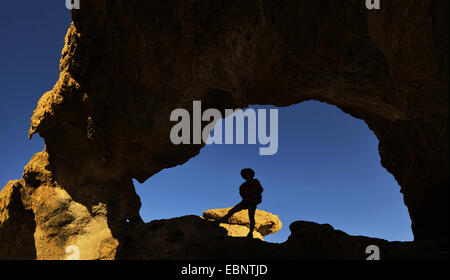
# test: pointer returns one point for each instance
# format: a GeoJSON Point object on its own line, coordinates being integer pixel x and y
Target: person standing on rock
{"type": "Point", "coordinates": [251, 193]}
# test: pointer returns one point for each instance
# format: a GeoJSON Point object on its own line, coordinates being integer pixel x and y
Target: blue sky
{"type": "Point", "coordinates": [327, 168]}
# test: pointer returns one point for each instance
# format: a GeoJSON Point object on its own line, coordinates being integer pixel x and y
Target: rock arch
{"type": "Point", "coordinates": [125, 66]}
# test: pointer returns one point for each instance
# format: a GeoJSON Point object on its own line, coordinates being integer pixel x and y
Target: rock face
{"type": "Point", "coordinates": [192, 237]}
{"type": "Point", "coordinates": [240, 231]}
{"type": "Point", "coordinates": [16, 238]}
{"type": "Point", "coordinates": [239, 224]}
{"type": "Point", "coordinates": [322, 241]}
{"type": "Point", "coordinates": [126, 65]}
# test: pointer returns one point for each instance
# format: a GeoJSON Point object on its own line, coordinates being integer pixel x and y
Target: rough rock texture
{"type": "Point", "coordinates": [316, 241]}
{"type": "Point", "coordinates": [239, 224]}
{"type": "Point", "coordinates": [191, 237]}
{"type": "Point", "coordinates": [41, 222]}
{"type": "Point", "coordinates": [240, 231]}
{"type": "Point", "coordinates": [17, 224]}
{"type": "Point", "coordinates": [127, 64]}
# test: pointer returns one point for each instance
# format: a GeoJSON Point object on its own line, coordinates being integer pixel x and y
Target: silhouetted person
{"type": "Point", "coordinates": [250, 192]}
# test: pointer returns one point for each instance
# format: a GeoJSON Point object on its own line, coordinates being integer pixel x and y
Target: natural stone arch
{"type": "Point", "coordinates": [126, 65]}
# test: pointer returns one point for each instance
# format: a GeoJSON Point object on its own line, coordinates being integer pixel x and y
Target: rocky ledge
{"type": "Point", "coordinates": [193, 237]}
{"type": "Point", "coordinates": [126, 66]}
{"type": "Point", "coordinates": [239, 224]}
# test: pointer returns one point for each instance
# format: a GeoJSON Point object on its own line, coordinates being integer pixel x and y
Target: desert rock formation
{"type": "Point", "coordinates": [126, 66]}
{"type": "Point", "coordinates": [239, 224]}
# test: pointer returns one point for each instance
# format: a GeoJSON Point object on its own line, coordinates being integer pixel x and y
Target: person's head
{"type": "Point", "coordinates": [247, 173]}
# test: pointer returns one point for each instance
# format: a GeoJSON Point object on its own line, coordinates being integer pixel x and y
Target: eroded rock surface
{"type": "Point", "coordinates": [192, 237]}
{"type": "Point", "coordinates": [17, 224]}
{"type": "Point", "coordinates": [322, 241]}
{"type": "Point", "coordinates": [239, 224]}
{"type": "Point", "coordinates": [126, 65]}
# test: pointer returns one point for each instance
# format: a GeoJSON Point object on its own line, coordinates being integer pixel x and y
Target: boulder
{"type": "Point", "coordinates": [126, 66]}
{"type": "Point", "coordinates": [239, 224]}
{"type": "Point", "coordinates": [240, 231]}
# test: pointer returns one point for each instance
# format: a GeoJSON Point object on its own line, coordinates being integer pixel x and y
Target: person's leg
{"type": "Point", "coordinates": [251, 216]}
{"type": "Point", "coordinates": [233, 210]}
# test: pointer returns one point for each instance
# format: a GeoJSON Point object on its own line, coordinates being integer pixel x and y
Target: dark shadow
{"type": "Point", "coordinates": [17, 232]}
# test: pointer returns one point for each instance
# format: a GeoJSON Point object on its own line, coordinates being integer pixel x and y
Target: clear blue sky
{"type": "Point", "coordinates": [327, 168]}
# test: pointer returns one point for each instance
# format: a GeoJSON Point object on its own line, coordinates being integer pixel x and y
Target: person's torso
{"type": "Point", "coordinates": [251, 190]}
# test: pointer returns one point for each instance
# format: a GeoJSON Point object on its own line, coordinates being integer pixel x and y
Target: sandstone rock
{"type": "Point", "coordinates": [40, 223]}
{"type": "Point", "coordinates": [265, 222]}
{"type": "Point", "coordinates": [322, 241]}
{"type": "Point", "coordinates": [126, 66]}
{"type": "Point", "coordinates": [240, 231]}
{"type": "Point", "coordinates": [17, 224]}
{"type": "Point", "coordinates": [192, 237]}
